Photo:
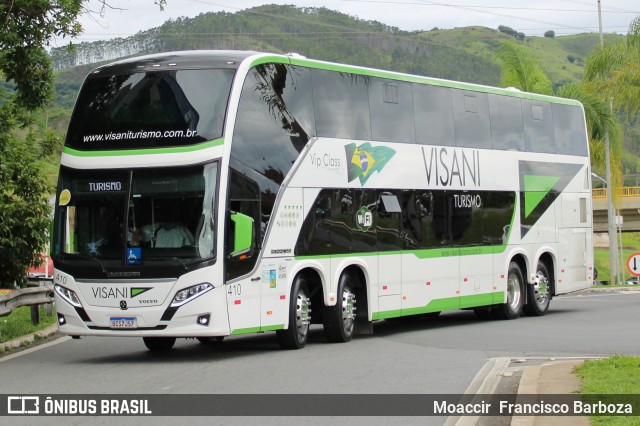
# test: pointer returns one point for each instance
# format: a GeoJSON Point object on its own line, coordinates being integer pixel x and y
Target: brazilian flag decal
{"type": "Point", "coordinates": [365, 159]}
{"type": "Point", "coordinates": [540, 185]}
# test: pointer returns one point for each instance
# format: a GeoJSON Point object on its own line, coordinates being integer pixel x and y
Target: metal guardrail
{"type": "Point", "coordinates": [626, 192]}
{"type": "Point", "coordinates": [31, 296]}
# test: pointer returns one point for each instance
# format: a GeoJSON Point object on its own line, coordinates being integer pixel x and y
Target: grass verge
{"type": "Point", "coordinates": [18, 323]}
{"type": "Point", "coordinates": [630, 244]}
{"type": "Point", "coordinates": [618, 286]}
{"type": "Point", "coordinates": [618, 375]}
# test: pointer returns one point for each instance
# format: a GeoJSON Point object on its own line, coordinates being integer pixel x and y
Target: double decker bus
{"type": "Point", "coordinates": [214, 193]}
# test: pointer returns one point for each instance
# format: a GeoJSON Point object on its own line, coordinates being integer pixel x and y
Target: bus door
{"type": "Point", "coordinates": [243, 237]}
{"type": "Point", "coordinates": [389, 244]}
{"type": "Point", "coordinates": [431, 264]}
{"type": "Point", "coordinates": [472, 223]}
{"type": "Point", "coordinates": [574, 238]}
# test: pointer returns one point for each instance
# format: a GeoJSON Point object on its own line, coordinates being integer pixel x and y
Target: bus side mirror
{"type": "Point", "coordinates": [242, 234]}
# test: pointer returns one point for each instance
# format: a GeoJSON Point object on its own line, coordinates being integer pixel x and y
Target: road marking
{"type": "Point", "coordinates": [36, 348]}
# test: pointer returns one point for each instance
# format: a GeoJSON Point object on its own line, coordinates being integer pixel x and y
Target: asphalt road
{"type": "Point", "coordinates": [427, 356]}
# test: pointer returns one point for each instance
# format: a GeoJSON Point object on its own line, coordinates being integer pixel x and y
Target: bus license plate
{"type": "Point", "coordinates": [123, 322]}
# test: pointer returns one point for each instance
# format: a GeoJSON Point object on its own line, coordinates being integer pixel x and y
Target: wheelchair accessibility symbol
{"type": "Point", "coordinates": [134, 255]}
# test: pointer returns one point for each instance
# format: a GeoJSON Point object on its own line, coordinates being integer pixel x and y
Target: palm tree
{"type": "Point", "coordinates": [519, 70]}
{"type": "Point", "coordinates": [601, 121]}
{"type": "Point", "coordinates": [614, 70]}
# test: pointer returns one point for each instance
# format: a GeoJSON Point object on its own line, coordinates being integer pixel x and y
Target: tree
{"type": "Point", "coordinates": [550, 34]}
{"type": "Point", "coordinates": [614, 70]}
{"type": "Point", "coordinates": [24, 210]}
{"type": "Point", "coordinates": [24, 207]}
{"type": "Point", "coordinates": [521, 71]}
{"type": "Point", "coordinates": [507, 30]}
{"type": "Point", "coordinates": [27, 27]}
{"type": "Point", "coordinates": [601, 121]}
{"type": "Point", "coordinates": [510, 31]}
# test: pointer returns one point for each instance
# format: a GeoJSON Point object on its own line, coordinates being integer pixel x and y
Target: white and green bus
{"type": "Point", "coordinates": [214, 193]}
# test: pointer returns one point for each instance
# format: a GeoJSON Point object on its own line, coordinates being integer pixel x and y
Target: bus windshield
{"type": "Point", "coordinates": [137, 217]}
{"type": "Point", "coordinates": [150, 109]}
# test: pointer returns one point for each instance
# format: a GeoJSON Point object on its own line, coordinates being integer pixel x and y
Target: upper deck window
{"type": "Point", "coordinates": [150, 109]}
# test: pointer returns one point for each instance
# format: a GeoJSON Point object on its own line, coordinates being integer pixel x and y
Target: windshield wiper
{"type": "Point", "coordinates": [174, 258]}
{"type": "Point", "coordinates": [91, 257]}
{"type": "Point", "coordinates": [184, 265]}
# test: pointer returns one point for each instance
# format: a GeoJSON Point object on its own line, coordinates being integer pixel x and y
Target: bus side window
{"type": "Point", "coordinates": [388, 221]}
{"type": "Point", "coordinates": [539, 133]}
{"type": "Point", "coordinates": [436, 229]}
{"type": "Point", "coordinates": [411, 215]}
{"type": "Point", "coordinates": [243, 208]}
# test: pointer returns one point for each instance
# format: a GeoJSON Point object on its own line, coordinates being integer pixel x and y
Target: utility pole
{"type": "Point", "coordinates": [613, 240]}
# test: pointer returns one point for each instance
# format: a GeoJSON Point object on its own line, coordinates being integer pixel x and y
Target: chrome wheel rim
{"type": "Point", "coordinates": [303, 314]}
{"type": "Point", "coordinates": [513, 292]}
{"type": "Point", "coordinates": [348, 310]}
{"type": "Point", "coordinates": [541, 288]}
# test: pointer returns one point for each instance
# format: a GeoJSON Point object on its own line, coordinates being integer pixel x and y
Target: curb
{"type": "Point", "coordinates": [612, 289]}
{"type": "Point", "coordinates": [553, 376]}
{"type": "Point", "coordinates": [485, 382]}
{"type": "Point", "coordinates": [30, 338]}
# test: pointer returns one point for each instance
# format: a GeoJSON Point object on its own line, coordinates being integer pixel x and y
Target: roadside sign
{"type": "Point", "coordinates": [633, 264]}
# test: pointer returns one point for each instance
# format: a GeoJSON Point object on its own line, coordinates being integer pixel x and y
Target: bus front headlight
{"type": "Point", "coordinates": [69, 295]}
{"type": "Point", "coordinates": [190, 293]}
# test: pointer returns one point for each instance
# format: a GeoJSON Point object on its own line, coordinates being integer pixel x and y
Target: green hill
{"type": "Point", "coordinates": [464, 54]}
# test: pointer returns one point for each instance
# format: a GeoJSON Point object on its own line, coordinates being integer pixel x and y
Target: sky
{"type": "Point", "coordinates": [125, 18]}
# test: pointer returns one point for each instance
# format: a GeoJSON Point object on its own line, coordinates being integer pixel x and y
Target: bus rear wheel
{"type": "Point", "coordinates": [339, 320]}
{"type": "Point", "coordinates": [512, 309]}
{"type": "Point", "coordinates": [159, 344]}
{"type": "Point", "coordinates": [539, 294]}
{"type": "Point", "coordinates": [296, 335]}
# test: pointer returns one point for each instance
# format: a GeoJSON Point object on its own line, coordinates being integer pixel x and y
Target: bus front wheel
{"type": "Point", "coordinates": [159, 344]}
{"type": "Point", "coordinates": [339, 320]}
{"type": "Point", "coordinates": [296, 335]}
{"type": "Point", "coordinates": [515, 295]}
{"type": "Point", "coordinates": [539, 293]}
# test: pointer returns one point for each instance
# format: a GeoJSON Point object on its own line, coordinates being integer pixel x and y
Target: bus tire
{"type": "Point", "coordinates": [339, 320]}
{"type": "Point", "coordinates": [296, 335]}
{"type": "Point", "coordinates": [159, 344]}
{"type": "Point", "coordinates": [539, 293]}
{"type": "Point", "coordinates": [512, 309]}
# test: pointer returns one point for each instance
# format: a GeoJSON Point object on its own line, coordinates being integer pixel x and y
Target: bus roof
{"type": "Point", "coordinates": [189, 59]}
{"type": "Point", "coordinates": [196, 59]}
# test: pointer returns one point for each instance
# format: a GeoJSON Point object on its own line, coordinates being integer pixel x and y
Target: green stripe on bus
{"type": "Point", "coordinates": [257, 329]}
{"type": "Point", "coordinates": [420, 254]}
{"type": "Point", "coordinates": [169, 150]}
{"type": "Point", "coordinates": [272, 327]}
{"type": "Point", "coordinates": [446, 304]}
{"type": "Point", "coordinates": [411, 78]}
{"type": "Point", "coordinates": [245, 330]}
